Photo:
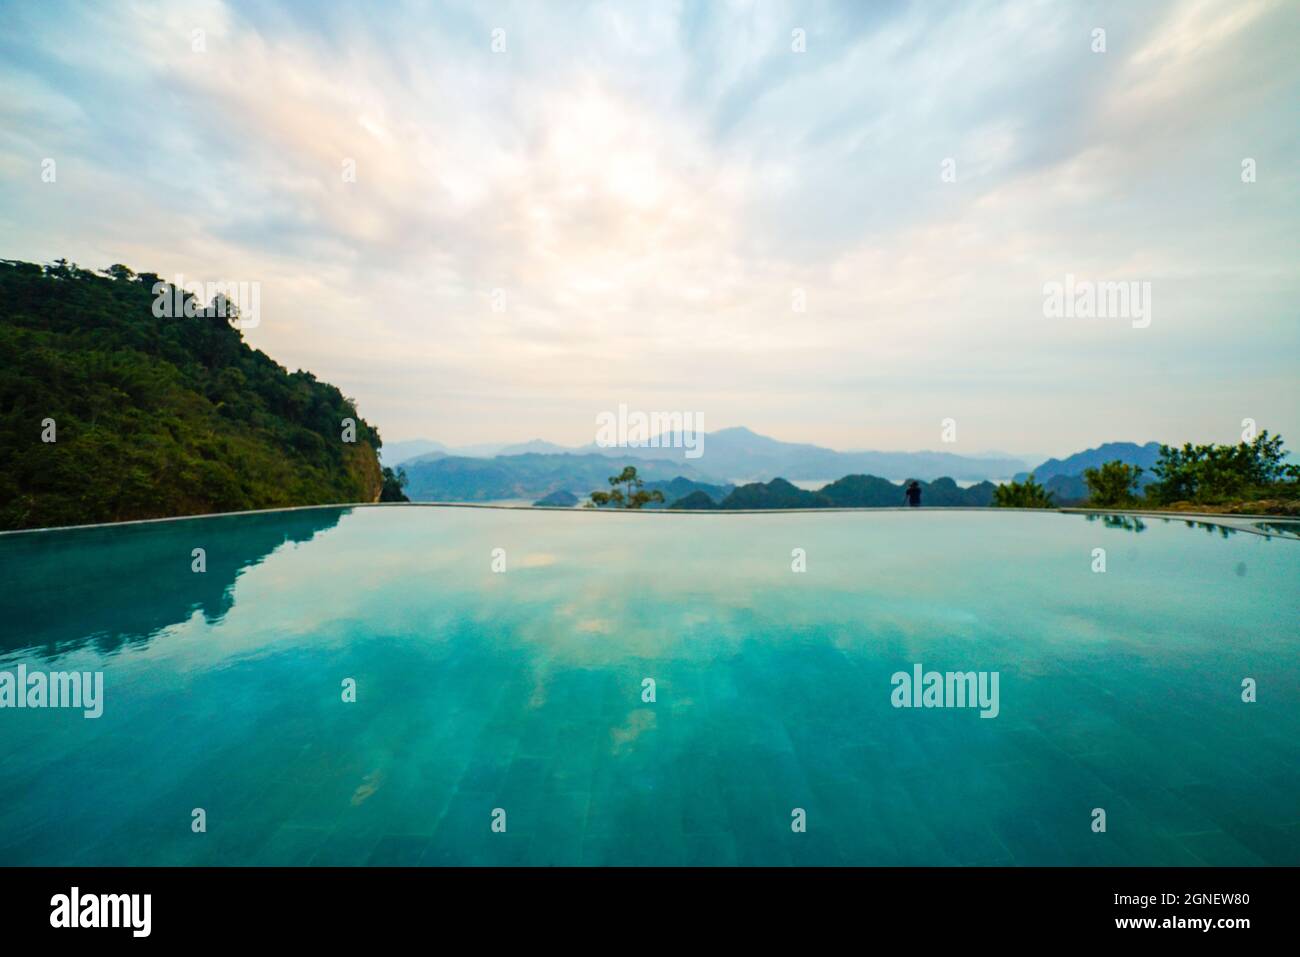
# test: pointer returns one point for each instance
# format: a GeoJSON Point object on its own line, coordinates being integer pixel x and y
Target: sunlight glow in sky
{"type": "Point", "coordinates": [651, 187]}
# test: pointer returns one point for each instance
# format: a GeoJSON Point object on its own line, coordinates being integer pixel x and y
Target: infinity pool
{"type": "Point", "coordinates": [518, 696]}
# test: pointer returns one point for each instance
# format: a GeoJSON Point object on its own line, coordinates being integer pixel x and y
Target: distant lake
{"type": "Point", "coordinates": [523, 690]}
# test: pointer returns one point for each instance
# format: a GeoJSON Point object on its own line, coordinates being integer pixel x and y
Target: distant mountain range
{"type": "Point", "coordinates": [396, 453]}
{"type": "Point", "coordinates": [674, 491]}
{"type": "Point", "coordinates": [1064, 477]}
{"type": "Point", "coordinates": [741, 455]}
{"type": "Point", "coordinates": [536, 469]}
{"type": "Point", "coordinates": [679, 488]}
{"type": "Point", "coordinates": [1129, 453]}
{"type": "Point", "coordinates": [852, 491]}
{"type": "Point", "coordinates": [437, 477]}
{"type": "Point", "coordinates": [558, 499]}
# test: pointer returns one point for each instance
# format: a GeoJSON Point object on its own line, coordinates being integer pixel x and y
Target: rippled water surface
{"type": "Point", "coordinates": [523, 690]}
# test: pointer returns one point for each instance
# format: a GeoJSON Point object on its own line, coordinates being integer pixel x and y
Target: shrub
{"type": "Point", "coordinates": [1113, 485]}
{"type": "Point", "coordinates": [1026, 494]}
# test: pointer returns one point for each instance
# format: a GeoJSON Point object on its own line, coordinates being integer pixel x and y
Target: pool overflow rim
{"type": "Point", "coordinates": [1235, 522]}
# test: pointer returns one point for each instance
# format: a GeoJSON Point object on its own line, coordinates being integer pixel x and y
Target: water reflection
{"type": "Point", "coordinates": [1283, 528]}
{"type": "Point", "coordinates": [1129, 523]}
{"type": "Point", "coordinates": [1286, 529]}
{"type": "Point", "coordinates": [1210, 527]}
{"type": "Point", "coordinates": [120, 585]}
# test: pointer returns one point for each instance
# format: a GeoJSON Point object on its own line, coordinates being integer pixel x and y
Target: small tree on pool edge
{"type": "Point", "coordinates": [635, 495]}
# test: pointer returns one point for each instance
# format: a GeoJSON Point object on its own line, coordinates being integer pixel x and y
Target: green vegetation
{"type": "Point", "coordinates": [632, 495]}
{"type": "Point", "coordinates": [1249, 477]}
{"type": "Point", "coordinates": [852, 491]}
{"type": "Point", "coordinates": [855, 491]}
{"type": "Point", "coordinates": [1228, 477]}
{"type": "Point", "coordinates": [1026, 494]}
{"type": "Point", "coordinates": [777, 493]}
{"type": "Point", "coordinates": [394, 483]}
{"type": "Point", "coordinates": [680, 488]}
{"type": "Point", "coordinates": [1114, 485]}
{"type": "Point", "coordinates": [109, 413]}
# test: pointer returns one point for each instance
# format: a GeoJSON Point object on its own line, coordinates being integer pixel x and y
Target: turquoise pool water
{"type": "Point", "coordinates": [523, 690]}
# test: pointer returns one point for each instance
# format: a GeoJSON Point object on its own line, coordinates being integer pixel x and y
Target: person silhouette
{"type": "Point", "coordinates": [913, 494]}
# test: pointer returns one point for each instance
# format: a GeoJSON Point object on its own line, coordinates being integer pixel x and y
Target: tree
{"type": "Point", "coordinates": [223, 307]}
{"type": "Point", "coordinates": [1027, 494]}
{"type": "Point", "coordinates": [394, 483]}
{"type": "Point", "coordinates": [634, 497]}
{"type": "Point", "coordinates": [1113, 485]}
{"type": "Point", "coordinates": [1212, 474]}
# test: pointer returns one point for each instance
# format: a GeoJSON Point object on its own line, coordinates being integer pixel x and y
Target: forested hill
{"type": "Point", "coordinates": [155, 416]}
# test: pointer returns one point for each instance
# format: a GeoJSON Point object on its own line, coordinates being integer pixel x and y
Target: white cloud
{"type": "Point", "coordinates": [649, 186]}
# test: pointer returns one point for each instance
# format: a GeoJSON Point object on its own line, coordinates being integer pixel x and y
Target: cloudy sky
{"type": "Point", "coordinates": [561, 207]}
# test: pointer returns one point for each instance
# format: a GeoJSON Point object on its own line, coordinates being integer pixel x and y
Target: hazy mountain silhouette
{"type": "Point", "coordinates": [852, 491]}
{"type": "Point", "coordinates": [531, 476]}
{"type": "Point", "coordinates": [740, 454]}
{"type": "Point", "coordinates": [1130, 453]}
{"type": "Point", "coordinates": [558, 499]}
